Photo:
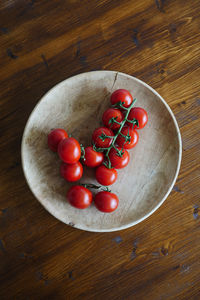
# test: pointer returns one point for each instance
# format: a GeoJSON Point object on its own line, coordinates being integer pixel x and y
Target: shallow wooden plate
{"type": "Point", "coordinates": [76, 105]}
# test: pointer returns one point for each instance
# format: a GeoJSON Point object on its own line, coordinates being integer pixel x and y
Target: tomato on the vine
{"type": "Point", "coordinates": [101, 142]}
{"type": "Point", "coordinates": [121, 141]}
{"type": "Point", "coordinates": [69, 150]}
{"type": "Point", "coordinates": [140, 115]}
{"type": "Point", "coordinates": [118, 161]}
{"type": "Point", "coordinates": [106, 201]}
{"type": "Point", "coordinates": [115, 114]}
{"type": "Point", "coordinates": [54, 138]}
{"type": "Point", "coordinates": [92, 158]}
{"type": "Point", "coordinates": [106, 176]}
{"type": "Point", "coordinates": [123, 96]}
{"type": "Point", "coordinates": [79, 196]}
{"type": "Point", "coordinates": [71, 172]}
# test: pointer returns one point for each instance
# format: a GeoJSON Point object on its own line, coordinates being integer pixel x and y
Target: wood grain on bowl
{"type": "Point", "coordinates": [77, 105]}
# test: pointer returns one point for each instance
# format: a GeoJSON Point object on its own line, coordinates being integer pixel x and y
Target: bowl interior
{"type": "Point", "coordinates": [77, 105]}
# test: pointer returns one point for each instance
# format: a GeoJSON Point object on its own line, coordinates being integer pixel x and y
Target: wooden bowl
{"type": "Point", "coordinates": [77, 105]}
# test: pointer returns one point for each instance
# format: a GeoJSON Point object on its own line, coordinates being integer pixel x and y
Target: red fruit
{"type": "Point", "coordinates": [121, 141]}
{"type": "Point", "coordinates": [71, 172]}
{"type": "Point", "coordinates": [106, 202]}
{"type": "Point", "coordinates": [123, 96]}
{"type": "Point", "coordinates": [54, 138]}
{"type": "Point", "coordinates": [79, 197]}
{"type": "Point", "coordinates": [117, 161]}
{"type": "Point", "coordinates": [93, 158]}
{"type": "Point", "coordinates": [69, 150]}
{"type": "Point", "coordinates": [99, 143]}
{"type": "Point", "coordinates": [140, 115]}
{"type": "Point", "coordinates": [105, 176]}
{"type": "Point", "coordinates": [115, 114]}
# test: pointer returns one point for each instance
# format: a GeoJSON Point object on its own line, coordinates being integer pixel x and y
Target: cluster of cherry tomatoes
{"type": "Point", "coordinates": [108, 152]}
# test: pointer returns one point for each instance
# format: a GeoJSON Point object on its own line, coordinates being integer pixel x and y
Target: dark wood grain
{"type": "Point", "coordinates": [44, 42]}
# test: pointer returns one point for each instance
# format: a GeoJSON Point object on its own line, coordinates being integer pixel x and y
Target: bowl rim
{"type": "Point", "coordinates": [86, 228]}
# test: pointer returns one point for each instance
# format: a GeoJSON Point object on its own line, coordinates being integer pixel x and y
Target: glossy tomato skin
{"type": "Point", "coordinates": [93, 158]}
{"type": "Point", "coordinates": [100, 143]}
{"type": "Point", "coordinates": [139, 114]}
{"type": "Point", "coordinates": [105, 176]}
{"type": "Point", "coordinates": [112, 113]}
{"type": "Point", "coordinates": [69, 150]}
{"type": "Point", "coordinates": [106, 202]}
{"type": "Point", "coordinates": [54, 138]}
{"type": "Point", "coordinates": [71, 172]}
{"type": "Point", "coordinates": [79, 196]}
{"type": "Point", "coordinates": [133, 138]}
{"type": "Point", "coordinates": [123, 96]}
{"type": "Point", "coordinates": [117, 161]}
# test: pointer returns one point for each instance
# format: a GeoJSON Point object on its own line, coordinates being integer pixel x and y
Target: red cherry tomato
{"type": "Point", "coordinates": [112, 113]}
{"type": "Point", "coordinates": [105, 176]}
{"type": "Point", "coordinates": [123, 96]}
{"type": "Point", "coordinates": [121, 141]}
{"type": "Point", "coordinates": [106, 202]}
{"type": "Point", "coordinates": [117, 161]}
{"type": "Point", "coordinates": [69, 150]}
{"type": "Point", "coordinates": [140, 115]}
{"type": "Point", "coordinates": [79, 197]}
{"type": "Point", "coordinates": [71, 172]}
{"type": "Point", "coordinates": [98, 141]}
{"type": "Point", "coordinates": [54, 138]}
{"type": "Point", "coordinates": [93, 158]}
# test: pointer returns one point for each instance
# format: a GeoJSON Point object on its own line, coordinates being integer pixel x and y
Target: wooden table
{"type": "Point", "coordinates": [45, 42]}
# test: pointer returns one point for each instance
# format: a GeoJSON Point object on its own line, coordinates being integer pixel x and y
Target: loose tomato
{"type": "Point", "coordinates": [140, 115]}
{"type": "Point", "coordinates": [69, 150]}
{"type": "Point", "coordinates": [121, 141]}
{"type": "Point", "coordinates": [79, 197]}
{"type": "Point", "coordinates": [54, 138]}
{"type": "Point", "coordinates": [121, 95]}
{"type": "Point", "coordinates": [102, 143]}
{"type": "Point", "coordinates": [115, 114]}
{"type": "Point", "coordinates": [117, 161]}
{"type": "Point", "coordinates": [71, 172]}
{"type": "Point", "coordinates": [93, 158]}
{"type": "Point", "coordinates": [105, 176]}
{"type": "Point", "coordinates": [106, 202]}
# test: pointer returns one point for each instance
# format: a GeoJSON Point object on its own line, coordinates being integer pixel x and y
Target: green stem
{"type": "Point", "coordinates": [115, 148]}
{"type": "Point", "coordinates": [119, 130]}
{"type": "Point", "coordinates": [103, 136]}
{"type": "Point", "coordinates": [82, 152]}
{"type": "Point", "coordinates": [120, 105]}
{"type": "Point", "coordinates": [127, 137]}
{"type": "Point", "coordinates": [134, 121]}
{"type": "Point", "coordinates": [125, 108]}
{"type": "Point", "coordinates": [115, 121]}
{"type": "Point", "coordinates": [123, 135]}
{"type": "Point", "coordinates": [96, 187]}
{"type": "Point", "coordinates": [99, 149]}
{"type": "Point", "coordinates": [91, 186]}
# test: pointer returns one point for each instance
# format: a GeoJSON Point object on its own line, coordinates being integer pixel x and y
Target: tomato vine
{"type": "Point", "coordinates": [103, 136]}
